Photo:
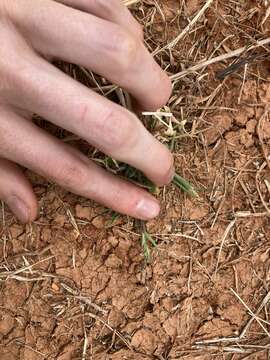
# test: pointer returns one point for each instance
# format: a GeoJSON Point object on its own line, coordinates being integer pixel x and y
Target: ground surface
{"type": "Point", "coordinates": [75, 286]}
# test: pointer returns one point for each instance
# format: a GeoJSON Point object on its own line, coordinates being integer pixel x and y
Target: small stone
{"type": "Point", "coordinates": [113, 262]}
{"type": "Point", "coordinates": [251, 126]}
{"type": "Point", "coordinates": [246, 139]}
{"type": "Point", "coordinates": [144, 340]}
{"type": "Point", "coordinates": [98, 222]}
{"type": "Point", "coordinates": [60, 220]}
{"type": "Point", "coordinates": [83, 253]}
{"type": "Point", "coordinates": [113, 241]}
{"type": "Point", "coordinates": [46, 235]}
{"type": "Point", "coordinates": [6, 324]}
{"type": "Point", "coordinates": [220, 124]}
{"type": "Point", "coordinates": [168, 304]}
{"type": "Point", "coordinates": [55, 287]}
{"type": "Point", "coordinates": [241, 117]}
{"type": "Point", "coordinates": [83, 212]}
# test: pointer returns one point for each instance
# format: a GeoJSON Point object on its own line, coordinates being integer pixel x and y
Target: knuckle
{"type": "Point", "coordinates": [103, 5]}
{"type": "Point", "coordinates": [7, 72]}
{"type": "Point", "coordinates": [4, 8]}
{"type": "Point", "coordinates": [118, 130]}
{"type": "Point", "coordinates": [72, 173]}
{"type": "Point", "coordinates": [109, 9]}
{"type": "Point", "coordinates": [15, 62]}
{"type": "Point", "coordinates": [125, 48]}
{"type": "Point", "coordinates": [17, 78]}
{"type": "Point", "coordinates": [18, 74]}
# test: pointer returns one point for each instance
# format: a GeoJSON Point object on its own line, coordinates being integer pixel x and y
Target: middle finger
{"type": "Point", "coordinates": [47, 91]}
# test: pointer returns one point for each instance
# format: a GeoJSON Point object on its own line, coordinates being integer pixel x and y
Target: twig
{"type": "Point", "coordinates": [16, 272]}
{"type": "Point", "coordinates": [130, 2]}
{"type": "Point", "coordinates": [216, 340]}
{"type": "Point", "coordinates": [251, 313]}
{"type": "Point", "coordinates": [264, 302]}
{"type": "Point", "coordinates": [258, 187]}
{"type": "Point", "coordinates": [245, 214]}
{"type": "Point", "coordinates": [186, 29]}
{"type": "Point", "coordinates": [185, 236]}
{"type": "Point", "coordinates": [259, 132]}
{"type": "Point", "coordinates": [267, 14]}
{"type": "Point", "coordinates": [121, 337]}
{"type": "Point", "coordinates": [229, 349]}
{"type": "Point", "coordinates": [216, 59]}
{"type": "Point", "coordinates": [86, 342]}
{"type": "Point", "coordinates": [226, 233]}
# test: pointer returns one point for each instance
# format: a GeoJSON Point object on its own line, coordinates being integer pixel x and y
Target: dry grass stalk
{"type": "Point", "coordinates": [220, 58]}
{"type": "Point", "coordinates": [254, 316]}
{"type": "Point", "coordinates": [247, 326]}
{"type": "Point", "coordinates": [224, 237]}
{"type": "Point", "coordinates": [130, 2]}
{"type": "Point", "coordinates": [187, 29]}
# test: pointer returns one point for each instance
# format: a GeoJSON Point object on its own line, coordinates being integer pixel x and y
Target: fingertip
{"type": "Point", "coordinates": [26, 194]}
{"type": "Point", "coordinates": [166, 90]}
{"type": "Point", "coordinates": [158, 98]}
{"type": "Point", "coordinates": [169, 175]}
{"type": "Point", "coordinates": [24, 209]}
{"type": "Point", "coordinates": [147, 208]}
{"type": "Point", "coordinates": [16, 191]}
{"type": "Point", "coordinates": [34, 210]}
{"type": "Point", "coordinates": [164, 168]}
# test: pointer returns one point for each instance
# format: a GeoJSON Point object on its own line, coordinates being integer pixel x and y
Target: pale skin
{"type": "Point", "coordinates": [102, 36]}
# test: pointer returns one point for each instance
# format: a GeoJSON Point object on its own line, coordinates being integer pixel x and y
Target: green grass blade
{"type": "Point", "coordinates": [184, 185]}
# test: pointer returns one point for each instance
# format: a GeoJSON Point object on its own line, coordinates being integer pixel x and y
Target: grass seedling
{"type": "Point", "coordinates": [146, 238]}
{"type": "Point", "coordinates": [184, 185]}
{"type": "Point", "coordinates": [115, 216]}
{"type": "Point", "coordinates": [137, 177]}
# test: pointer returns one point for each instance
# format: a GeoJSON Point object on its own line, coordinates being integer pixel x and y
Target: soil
{"type": "Point", "coordinates": [74, 284]}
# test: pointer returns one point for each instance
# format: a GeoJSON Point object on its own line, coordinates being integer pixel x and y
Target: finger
{"type": "Point", "coordinates": [16, 192]}
{"type": "Point", "coordinates": [102, 46]}
{"type": "Point", "coordinates": [60, 163]}
{"type": "Point", "coordinates": [111, 10]}
{"type": "Point", "coordinates": [107, 126]}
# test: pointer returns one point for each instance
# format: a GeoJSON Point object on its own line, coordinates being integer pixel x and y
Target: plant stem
{"type": "Point", "coordinates": [184, 185]}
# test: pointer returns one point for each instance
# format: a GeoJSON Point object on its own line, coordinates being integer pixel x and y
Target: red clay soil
{"type": "Point", "coordinates": [74, 286]}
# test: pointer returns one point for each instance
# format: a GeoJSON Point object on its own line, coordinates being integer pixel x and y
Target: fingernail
{"type": "Point", "coordinates": [19, 208]}
{"type": "Point", "coordinates": [148, 209]}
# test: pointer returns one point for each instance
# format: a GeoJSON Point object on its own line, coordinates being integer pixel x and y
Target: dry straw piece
{"type": "Point", "coordinates": [130, 2]}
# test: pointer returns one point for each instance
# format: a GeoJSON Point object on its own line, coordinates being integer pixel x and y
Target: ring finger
{"type": "Point", "coordinates": [47, 156]}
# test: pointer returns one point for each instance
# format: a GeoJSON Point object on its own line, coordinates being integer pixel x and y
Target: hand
{"type": "Point", "coordinates": [102, 36]}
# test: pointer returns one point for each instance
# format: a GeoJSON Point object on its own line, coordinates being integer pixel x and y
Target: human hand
{"type": "Point", "coordinates": [102, 36]}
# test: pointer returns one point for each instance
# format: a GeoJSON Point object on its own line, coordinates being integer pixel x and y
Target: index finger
{"type": "Point", "coordinates": [99, 45]}
{"type": "Point", "coordinates": [111, 10]}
